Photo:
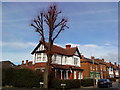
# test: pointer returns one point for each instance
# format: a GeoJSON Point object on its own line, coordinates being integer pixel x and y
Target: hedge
{"type": "Point", "coordinates": [87, 82]}
{"type": "Point", "coordinates": [112, 79]}
{"type": "Point", "coordinates": [71, 83]}
{"type": "Point", "coordinates": [21, 78]}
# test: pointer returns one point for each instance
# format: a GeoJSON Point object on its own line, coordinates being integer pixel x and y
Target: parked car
{"type": "Point", "coordinates": [106, 83]}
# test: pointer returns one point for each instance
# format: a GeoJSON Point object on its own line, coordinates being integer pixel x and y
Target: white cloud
{"type": "Point", "coordinates": [91, 45]}
{"type": "Point", "coordinates": [17, 58]}
{"type": "Point", "coordinates": [106, 51]}
{"type": "Point", "coordinates": [18, 44]}
{"type": "Point", "coordinates": [102, 21]}
{"type": "Point", "coordinates": [93, 12]}
{"type": "Point", "coordinates": [73, 45]}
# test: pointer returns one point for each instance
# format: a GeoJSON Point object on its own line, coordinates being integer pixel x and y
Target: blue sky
{"type": "Point", "coordinates": [93, 28]}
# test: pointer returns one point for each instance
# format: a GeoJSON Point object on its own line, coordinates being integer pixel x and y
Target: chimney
{"type": "Point", "coordinates": [68, 46]}
{"type": "Point", "coordinates": [92, 57]}
{"type": "Point", "coordinates": [82, 56]}
{"type": "Point", "coordinates": [103, 59]}
{"type": "Point", "coordinates": [22, 62]}
{"type": "Point", "coordinates": [30, 63]}
{"type": "Point", "coordinates": [26, 62]}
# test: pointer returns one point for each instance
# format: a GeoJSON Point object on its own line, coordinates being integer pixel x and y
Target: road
{"type": "Point", "coordinates": [115, 86]}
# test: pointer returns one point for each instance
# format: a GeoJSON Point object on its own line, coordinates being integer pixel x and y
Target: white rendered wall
{"type": "Point", "coordinates": [65, 59]}
{"type": "Point", "coordinates": [117, 72]}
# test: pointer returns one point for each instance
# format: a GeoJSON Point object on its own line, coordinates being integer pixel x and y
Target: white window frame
{"type": "Point", "coordinates": [75, 61]}
{"type": "Point", "coordinates": [39, 56]}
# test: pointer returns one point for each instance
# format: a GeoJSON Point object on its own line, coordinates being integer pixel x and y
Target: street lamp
{"type": "Point", "coordinates": [93, 73]}
{"type": "Point", "coordinates": [94, 78]}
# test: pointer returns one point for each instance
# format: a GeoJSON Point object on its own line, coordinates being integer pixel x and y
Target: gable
{"type": "Point", "coordinates": [58, 50]}
{"type": "Point", "coordinates": [76, 53]}
{"type": "Point", "coordinates": [39, 47]}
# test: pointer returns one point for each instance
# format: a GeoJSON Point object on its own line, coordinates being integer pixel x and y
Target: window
{"type": "Point", "coordinates": [104, 68]}
{"type": "Point", "coordinates": [90, 66]}
{"type": "Point", "coordinates": [55, 57]}
{"type": "Point", "coordinates": [101, 67]}
{"type": "Point", "coordinates": [111, 69]}
{"type": "Point", "coordinates": [44, 57]}
{"type": "Point", "coordinates": [96, 67]}
{"type": "Point", "coordinates": [39, 57]}
{"type": "Point", "coordinates": [65, 59]}
{"type": "Point", "coordinates": [75, 61]}
{"type": "Point", "coordinates": [61, 60]}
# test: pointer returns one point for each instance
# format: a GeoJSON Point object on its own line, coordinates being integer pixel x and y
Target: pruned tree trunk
{"type": "Point", "coordinates": [55, 25]}
{"type": "Point", "coordinates": [47, 70]}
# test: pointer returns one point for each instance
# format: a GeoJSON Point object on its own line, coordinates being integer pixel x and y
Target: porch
{"type": "Point", "coordinates": [64, 72]}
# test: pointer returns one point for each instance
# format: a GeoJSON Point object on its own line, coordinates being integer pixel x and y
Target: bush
{"type": "Point", "coordinates": [69, 83]}
{"type": "Point", "coordinates": [21, 78]}
{"type": "Point", "coordinates": [112, 79]}
{"type": "Point", "coordinates": [87, 82]}
{"type": "Point", "coordinates": [7, 76]}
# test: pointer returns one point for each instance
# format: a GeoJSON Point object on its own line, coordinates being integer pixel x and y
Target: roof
{"type": "Point", "coordinates": [7, 64]}
{"type": "Point", "coordinates": [59, 50]}
{"type": "Point", "coordinates": [100, 61]}
{"type": "Point", "coordinates": [66, 67]}
{"type": "Point", "coordinates": [88, 60]}
{"type": "Point", "coordinates": [109, 64]}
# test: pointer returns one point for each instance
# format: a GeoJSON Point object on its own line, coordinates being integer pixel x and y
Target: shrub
{"type": "Point", "coordinates": [112, 79]}
{"type": "Point", "coordinates": [21, 78]}
{"type": "Point", "coordinates": [69, 83]}
{"type": "Point", "coordinates": [7, 76]}
{"type": "Point", "coordinates": [87, 82]}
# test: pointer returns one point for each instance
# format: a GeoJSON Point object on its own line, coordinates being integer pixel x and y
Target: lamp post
{"type": "Point", "coordinates": [93, 73]}
{"type": "Point", "coordinates": [94, 78]}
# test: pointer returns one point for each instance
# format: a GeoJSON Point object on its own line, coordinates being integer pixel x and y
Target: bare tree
{"type": "Point", "coordinates": [49, 24]}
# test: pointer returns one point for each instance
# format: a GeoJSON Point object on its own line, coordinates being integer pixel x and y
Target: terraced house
{"type": "Point", "coordinates": [99, 69]}
{"type": "Point", "coordinates": [90, 67]}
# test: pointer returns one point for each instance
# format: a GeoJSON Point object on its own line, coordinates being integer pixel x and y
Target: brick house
{"type": "Point", "coordinates": [90, 66]}
{"type": "Point", "coordinates": [65, 61]}
{"type": "Point", "coordinates": [116, 70]}
{"type": "Point", "coordinates": [102, 68]}
{"type": "Point", "coordinates": [110, 69]}
{"type": "Point", "coordinates": [7, 64]}
{"type": "Point", "coordinates": [99, 69]}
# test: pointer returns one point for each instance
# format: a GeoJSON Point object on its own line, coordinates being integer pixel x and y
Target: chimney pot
{"type": "Point", "coordinates": [27, 62]}
{"type": "Point", "coordinates": [103, 59]}
{"type": "Point", "coordinates": [68, 46]}
{"type": "Point", "coordinates": [82, 56]}
{"type": "Point", "coordinates": [22, 62]}
{"type": "Point", "coordinates": [92, 57]}
{"type": "Point", "coordinates": [110, 62]}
